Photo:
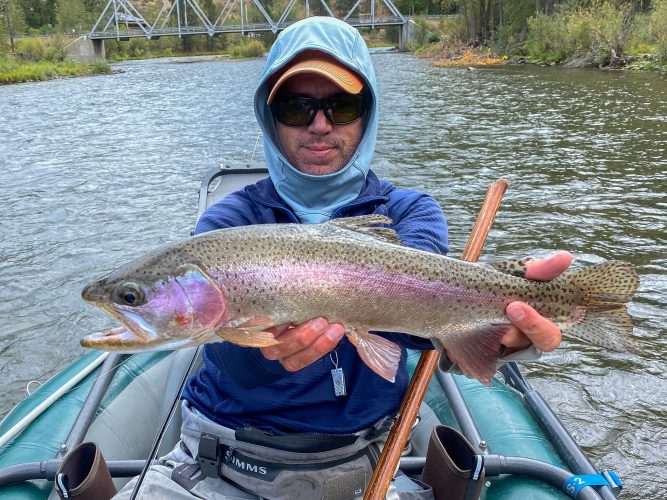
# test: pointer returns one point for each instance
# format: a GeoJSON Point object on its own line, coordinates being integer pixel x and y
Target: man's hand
{"type": "Point", "coordinates": [303, 344]}
{"type": "Point", "coordinates": [530, 326]}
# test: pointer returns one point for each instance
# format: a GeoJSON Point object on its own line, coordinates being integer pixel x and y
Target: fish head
{"type": "Point", "coordinates": [157, 310]}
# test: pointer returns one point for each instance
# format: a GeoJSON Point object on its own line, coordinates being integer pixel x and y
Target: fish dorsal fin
{"type": "Point", "coordinates": [367, 224]}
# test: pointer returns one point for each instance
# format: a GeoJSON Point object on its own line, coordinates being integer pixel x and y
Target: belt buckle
{"type": "Point", "coordinates": [208, 455]}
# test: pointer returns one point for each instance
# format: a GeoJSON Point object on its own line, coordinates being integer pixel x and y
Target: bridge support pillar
{"type": "Point", "coordinates": [85, 51]}
{"type": "Point", "coordinates": [405, 35]}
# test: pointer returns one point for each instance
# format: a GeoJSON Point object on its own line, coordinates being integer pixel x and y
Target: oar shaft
{"type": "Point", "coordinates": [428, 361]}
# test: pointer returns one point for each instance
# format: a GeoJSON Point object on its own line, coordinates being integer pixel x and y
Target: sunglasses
{"type": "Point", "coordinates": [296, 111]}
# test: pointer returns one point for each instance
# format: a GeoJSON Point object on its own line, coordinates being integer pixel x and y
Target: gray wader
{"type": "Point", "coordinates": [218, 463]}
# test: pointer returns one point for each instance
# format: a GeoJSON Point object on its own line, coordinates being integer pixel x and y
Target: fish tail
{"type": "Point", "coordinates": [606, 322]}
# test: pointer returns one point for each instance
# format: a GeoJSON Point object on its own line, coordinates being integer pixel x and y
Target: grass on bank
{"type": "Point", "coordinates": [13, 70]}
{"type": "Point", "coordinates": [43, 58]}
{"type": "Point", "coordinates": [40, 59]}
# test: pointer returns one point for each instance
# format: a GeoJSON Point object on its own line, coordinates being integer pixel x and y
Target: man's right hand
{"type": "Point", "coordinates": [303, 344]}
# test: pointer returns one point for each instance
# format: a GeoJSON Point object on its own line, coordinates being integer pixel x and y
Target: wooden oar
{"type": "Point", "coordinates": [428, 362]}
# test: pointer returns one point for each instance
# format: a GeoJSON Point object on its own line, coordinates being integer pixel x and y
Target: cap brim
{"type": "Point", "coordinates": [338, 74]}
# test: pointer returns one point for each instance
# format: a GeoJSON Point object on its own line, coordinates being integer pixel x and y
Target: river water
{"type": "Point", "coordinates": [99, 170]}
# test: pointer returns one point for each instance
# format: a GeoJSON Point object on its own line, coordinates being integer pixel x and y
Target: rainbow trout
{"type": "Point", "coordinates": [232, 284]}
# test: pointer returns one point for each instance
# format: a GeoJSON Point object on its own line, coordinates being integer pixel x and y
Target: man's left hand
{"type": "Point", "coordinates": [530, 326]}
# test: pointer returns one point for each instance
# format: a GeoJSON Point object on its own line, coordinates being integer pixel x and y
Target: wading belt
{"type": "Point", "coordinates": [250, 454]}
{"type": "Point", "coordinates": [213, 455]}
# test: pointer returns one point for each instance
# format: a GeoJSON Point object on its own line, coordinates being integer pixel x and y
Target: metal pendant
{"type": "Point", "coordinates": [339, 382]}
{"type": "Point", "coordinates": [337, 376]}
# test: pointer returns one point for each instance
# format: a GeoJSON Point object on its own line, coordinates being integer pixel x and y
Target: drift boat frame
{"type": "Point", "coordinates": [525, 447]}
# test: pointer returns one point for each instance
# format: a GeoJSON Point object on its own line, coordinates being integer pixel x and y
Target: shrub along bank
{"type": "Point", "coordinates": [234, 46]}
{"type": "Point", "coordinates": [37, 59]}
{"type": "Point", "coordinates": [595, 33]}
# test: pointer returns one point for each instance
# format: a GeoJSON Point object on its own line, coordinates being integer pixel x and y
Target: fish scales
{"type": "Point", "coordinates": [234, 283]}
{"type": "Point", "coordinates": [369, 271]}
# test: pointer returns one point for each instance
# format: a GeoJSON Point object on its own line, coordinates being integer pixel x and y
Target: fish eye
{"type": "Point", "coordinates": [129, 294]}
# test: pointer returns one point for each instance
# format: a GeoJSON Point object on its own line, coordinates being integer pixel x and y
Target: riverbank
{"type": "Point", "coordinates": [13, 70]}
{"type": "Point", "coordinates": [460, 55]}
{"type": "Point", "coordinates": [600, 35]}
{"type": "Point", "coordinates": [43, 59]}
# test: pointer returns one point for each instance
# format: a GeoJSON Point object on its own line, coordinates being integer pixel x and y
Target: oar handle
{"type": "Point", "coordinates": [428, 361]}
{"type": "Point", "coordinates": [487, 213]}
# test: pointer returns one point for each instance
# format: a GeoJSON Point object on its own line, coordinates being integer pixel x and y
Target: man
{"type": "Point", "coordinates": [317, 106]}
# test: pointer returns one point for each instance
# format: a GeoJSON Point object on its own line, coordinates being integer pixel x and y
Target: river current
{"type": "Point", "coordinates": [95, 171]}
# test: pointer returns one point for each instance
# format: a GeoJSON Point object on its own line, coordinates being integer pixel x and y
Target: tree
{"type": "Point", "coordinates": [39, 13]}
{"type": "Point", "coordinates": [5, 31]}
{"type": "Point", "coordinates": [71, 15]}
{"type": "Point", "coordinates": [12, 22]}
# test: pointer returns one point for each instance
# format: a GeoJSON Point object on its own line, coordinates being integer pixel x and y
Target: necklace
{"type": "Point", "coordinates": [338, 376]}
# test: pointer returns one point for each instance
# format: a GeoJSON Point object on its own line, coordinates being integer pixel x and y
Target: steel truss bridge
{"type": "Point", "coordinates": [121, 20]}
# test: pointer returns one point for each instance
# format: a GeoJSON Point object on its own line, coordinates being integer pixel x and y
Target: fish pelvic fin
{"type": "Point", "coordinates": [246, 337]}
{"type": "Point", "coordinates": [368, 225]}
{"type": "Point", "coordinates": [380, 354]}
{"type": "Point", "coordinates": [476, 351]}
{"type": "Point", "coordinates": [606, 322]}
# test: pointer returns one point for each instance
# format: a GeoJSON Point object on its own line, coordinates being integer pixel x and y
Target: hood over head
{"type": "Point", "coordinates": [314, 197]}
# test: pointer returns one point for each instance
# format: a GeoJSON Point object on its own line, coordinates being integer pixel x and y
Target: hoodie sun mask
{"type": "Point", "coordinates": [315, 197]}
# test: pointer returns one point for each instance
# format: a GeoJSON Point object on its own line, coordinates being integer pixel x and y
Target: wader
{"type": "Point", "coordinates": [219, 463]}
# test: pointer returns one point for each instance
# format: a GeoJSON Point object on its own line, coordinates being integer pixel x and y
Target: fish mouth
{"type": "Point", "coordinates": [132, 334]}
{"type": "Point", "coordinates": [122, 339]}
{"type": "Point", "coordinates": [116, 339]}
{"type": "Point", "coordinates": [136, 335]}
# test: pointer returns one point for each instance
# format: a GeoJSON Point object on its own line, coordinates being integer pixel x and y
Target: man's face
{"type": "Point", "coordinates": [320, 148]}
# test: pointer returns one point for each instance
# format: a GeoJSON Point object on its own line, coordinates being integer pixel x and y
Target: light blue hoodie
{"type": "Point", "coordinates": [314, 197]}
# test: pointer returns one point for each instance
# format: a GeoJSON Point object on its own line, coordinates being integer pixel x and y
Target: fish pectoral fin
{"type": "Point", "coordinates": [257, 323]}
{"type": "Point", "coordinates": [245, 337]}
{"type": "Point", "coordinates": [380, 355]}
{"type": "Point", "coordinates": [476, 352]}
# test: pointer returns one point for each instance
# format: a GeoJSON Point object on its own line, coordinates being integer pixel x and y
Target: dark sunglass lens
{"type": "Point", "coordinates": [296, 111]}
{"type": "Point", "coordinates": [346, 108]}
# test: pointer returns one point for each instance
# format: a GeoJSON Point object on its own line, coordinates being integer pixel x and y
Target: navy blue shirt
{"type": "Point", "coordinates": [239, 387]}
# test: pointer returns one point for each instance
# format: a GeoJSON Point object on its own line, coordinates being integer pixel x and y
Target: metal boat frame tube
{"type": "Point", "coordinates": [563, 441]}
{"type": "Point", "coordinates": [92, 403]}
{"type": "Point", "coordinates": [47, 469]}
{"type": "Point", "coordinates": [494, 465]}
{"type": "Point", "coordinates": [461, 411]}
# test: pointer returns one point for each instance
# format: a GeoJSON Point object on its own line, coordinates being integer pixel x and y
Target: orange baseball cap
{"type": "Point", "coordinates": [322, 65]}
